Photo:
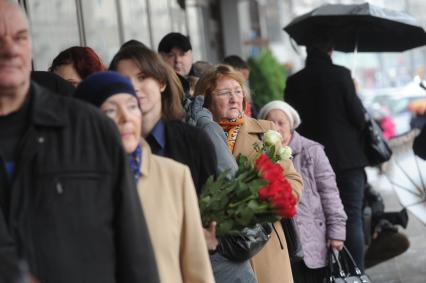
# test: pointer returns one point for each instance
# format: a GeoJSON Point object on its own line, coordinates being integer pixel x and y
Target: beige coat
{"type": "Point", "coordinates": [171, 210]}
{"type": "Point", "coordinates": [272, 263]}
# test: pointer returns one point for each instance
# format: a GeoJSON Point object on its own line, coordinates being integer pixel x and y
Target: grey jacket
{"type": "Point", "coordinates": [225, 271]}
{"type": "Point", "coordinates": [200, 117]}
{"type": "Point", "coordinates": [320, 215]}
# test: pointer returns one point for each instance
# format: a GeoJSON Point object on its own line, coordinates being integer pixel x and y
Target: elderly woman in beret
{"type": "Point", "coordinates": [225, 97]}
{"type": "Point", "coordinates": [165, 187]}
{"type": "Point", "coordinates": [320, 216]}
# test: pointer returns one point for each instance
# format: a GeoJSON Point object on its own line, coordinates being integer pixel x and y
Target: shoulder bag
{"type": "Point", "coordinates": [245, 245]}
{"type": "Point", "coordinates": [376, 147]}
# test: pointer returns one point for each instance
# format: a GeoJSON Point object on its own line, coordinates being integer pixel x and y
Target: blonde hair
{"type": "Point", "coordinates": [208, 82]}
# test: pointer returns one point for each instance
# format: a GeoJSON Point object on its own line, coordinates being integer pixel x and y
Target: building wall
{"type": "Point", "coordinates": [102, 24]}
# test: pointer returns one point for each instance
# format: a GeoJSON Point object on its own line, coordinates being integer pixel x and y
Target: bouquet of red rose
{"type": "Point", "coordinates": [259, 193]}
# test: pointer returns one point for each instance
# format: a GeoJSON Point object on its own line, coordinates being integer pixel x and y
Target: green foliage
{"type": "Point", "coordinates": [234, 204]}
{"type": "Point", "coordinates": [267, 78]}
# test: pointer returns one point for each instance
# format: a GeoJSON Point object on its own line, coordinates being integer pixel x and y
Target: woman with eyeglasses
{"type": "Point", "coordinates": [225, 96]}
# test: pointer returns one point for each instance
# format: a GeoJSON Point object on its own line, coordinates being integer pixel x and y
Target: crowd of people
{"type": "Point", "coordinates": [101, 166]}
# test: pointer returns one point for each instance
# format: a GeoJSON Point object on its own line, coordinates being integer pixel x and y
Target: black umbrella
{"type": "Point", "coordinates": [364, 27]}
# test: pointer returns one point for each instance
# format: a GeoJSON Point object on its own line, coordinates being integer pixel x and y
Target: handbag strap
{"type": "Point", "coordinates": [348, 255]}
{"type": "Point", "coordinates": [333, 256]}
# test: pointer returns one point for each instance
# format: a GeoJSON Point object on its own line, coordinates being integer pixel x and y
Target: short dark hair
{"type": "Point", "coordinates": [324, 44]}
{"type": "Point", "coordinates": [236, 62]}
{"type": "Point", "coordinates": [174, 40]}
{"type": "Point", "coordinates": [132, 42]}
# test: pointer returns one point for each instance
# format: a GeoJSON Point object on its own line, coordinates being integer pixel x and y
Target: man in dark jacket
{"type": "Point", "coordinates": [332, 114]}
{"type": "Point", "coordinates": [69, 205]}
{"type": "Point", "coordinates": [176, 50]}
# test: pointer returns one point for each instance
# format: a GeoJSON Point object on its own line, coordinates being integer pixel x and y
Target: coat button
{"type": "Point", "coordinates": [40, 139]}
{"type": "Point", "coordinates": [59, 188]}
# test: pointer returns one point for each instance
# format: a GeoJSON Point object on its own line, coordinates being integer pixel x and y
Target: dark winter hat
{"type": "Point", "coordinates": [98, 87]}
{"type": "Point", "coordinates": [172, 40]}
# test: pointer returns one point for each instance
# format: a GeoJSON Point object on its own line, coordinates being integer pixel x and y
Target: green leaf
{"type": "Point", "coordinates": [267, 78]}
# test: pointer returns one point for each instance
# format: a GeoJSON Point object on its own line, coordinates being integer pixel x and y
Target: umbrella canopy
{"type": "Point", "coordinates": [364, 27]}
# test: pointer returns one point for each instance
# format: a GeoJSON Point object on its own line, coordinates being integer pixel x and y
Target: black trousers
{"type": "Point", "coordinates": [304, 274]}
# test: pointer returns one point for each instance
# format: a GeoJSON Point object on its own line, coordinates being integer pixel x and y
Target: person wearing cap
{"type": "Point", "coordinates": [176, 50]}
{"type": "Point", "coordinates": [320, 216]}
{"type": "Point", "coordinates": [70, 209]}
{"type": "Point", "coordinates": [165, 187]}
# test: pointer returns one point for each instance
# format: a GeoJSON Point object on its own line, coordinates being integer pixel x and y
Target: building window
{"type": "Point", "coordinates": [135, 21]}
{"type": "Point", "coordinates": [54, 28]}
{"type": "Point", "coordinates": [160, 20]}
{"type": "Point", "coordinates": [178, 17]}
{"type": "Point", "coordinates": [101, 27]}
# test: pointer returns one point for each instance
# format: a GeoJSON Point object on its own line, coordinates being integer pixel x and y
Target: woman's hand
{"type": "Point", "coordinates": [338, 245]}
{"type": "Point", "coordinates": [210, 236]}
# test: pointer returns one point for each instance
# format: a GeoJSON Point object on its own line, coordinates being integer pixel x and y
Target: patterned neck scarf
{"type": "Point", "coordinates": [135, 162]}
{"type": "Point", "coordinates": [231, 127]}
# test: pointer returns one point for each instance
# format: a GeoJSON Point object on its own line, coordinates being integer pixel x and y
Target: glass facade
{"type": "Point", "coordinates": [59, 24]}
{"type": "Point", "coordinates": [101, 27]}
{"type": "Point", "coordinates": [54, 28]}
{"type": "Point", "coordinates": [136, 21]}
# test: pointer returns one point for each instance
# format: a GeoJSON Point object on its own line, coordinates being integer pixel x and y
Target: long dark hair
{"type": "Point", "coordinates": [152, 65]}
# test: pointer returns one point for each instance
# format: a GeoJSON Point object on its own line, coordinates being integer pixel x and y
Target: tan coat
{"type": "Point", "coordinates": [272, 263]}
{"type": "Point", "coordinates": [171, 210]}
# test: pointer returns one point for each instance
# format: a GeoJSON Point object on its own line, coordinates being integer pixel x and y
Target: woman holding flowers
{"type": "Point", "coordinates": [165, 187]}
{"type": "Point", "coordinates": [320, 216]}
{"type": "Point", "coordinates": [225, 97]}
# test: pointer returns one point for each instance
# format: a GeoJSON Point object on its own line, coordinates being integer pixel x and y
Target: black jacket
{"type": "Point", "coordinates": [330, 110]}
{"type": "Point", "coordinates": [53, 82]}
{"type": "Point", "coordinates": [192, 147]}
{"type": "Point", "coordinates": [74, 213]}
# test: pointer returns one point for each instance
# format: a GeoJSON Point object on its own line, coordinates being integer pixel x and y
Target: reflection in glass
{"type": "Point", "coordinates": [54, 28]}
{"type": "Point", "coordinates": [178, 17]}
{"type": "Point", "coordinates": [160, 20]}
{"type": "Point", "coordinates": [101, 27]}
{"type": "Point", "coordinates": [135, 21]}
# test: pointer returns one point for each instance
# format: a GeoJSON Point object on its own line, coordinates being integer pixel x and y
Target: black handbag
{"type": "Point", "coordinates": [343, 269]}
{"type": "Point", "coordinates": [294, 245]}
{"type": "Point", "coordinates": [245, 245]}
{"type": "Point", "coordinates": [376, 147]}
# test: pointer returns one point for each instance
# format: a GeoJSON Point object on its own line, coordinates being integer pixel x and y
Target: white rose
{"type": "Point", "coordinates": [285, 153]}
{"type": "Point", "coordinates": [271, 138]}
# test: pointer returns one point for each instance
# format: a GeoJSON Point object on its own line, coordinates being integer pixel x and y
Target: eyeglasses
{"type": "Point", "coordinates": [227, 93]}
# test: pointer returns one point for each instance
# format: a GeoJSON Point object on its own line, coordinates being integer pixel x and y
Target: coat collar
{"type": "Point", "coordinates": [47, 109]}
{"type": "Point", "coordinates": [318, 57]}
{"type": "Point", "coordinates": [248, 135]}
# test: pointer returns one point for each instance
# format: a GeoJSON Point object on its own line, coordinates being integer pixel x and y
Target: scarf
{"type": "Point", "coordinates": [231, 127]}
{"type": "Point", "coordinates": [135, 162]}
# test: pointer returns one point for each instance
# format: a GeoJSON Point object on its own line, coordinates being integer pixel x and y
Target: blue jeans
{"type": "Point", "coordinates": [351, 184]}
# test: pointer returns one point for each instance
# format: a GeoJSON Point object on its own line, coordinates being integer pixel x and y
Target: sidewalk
{"type": "Point", "coordinates": [410, 267]}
